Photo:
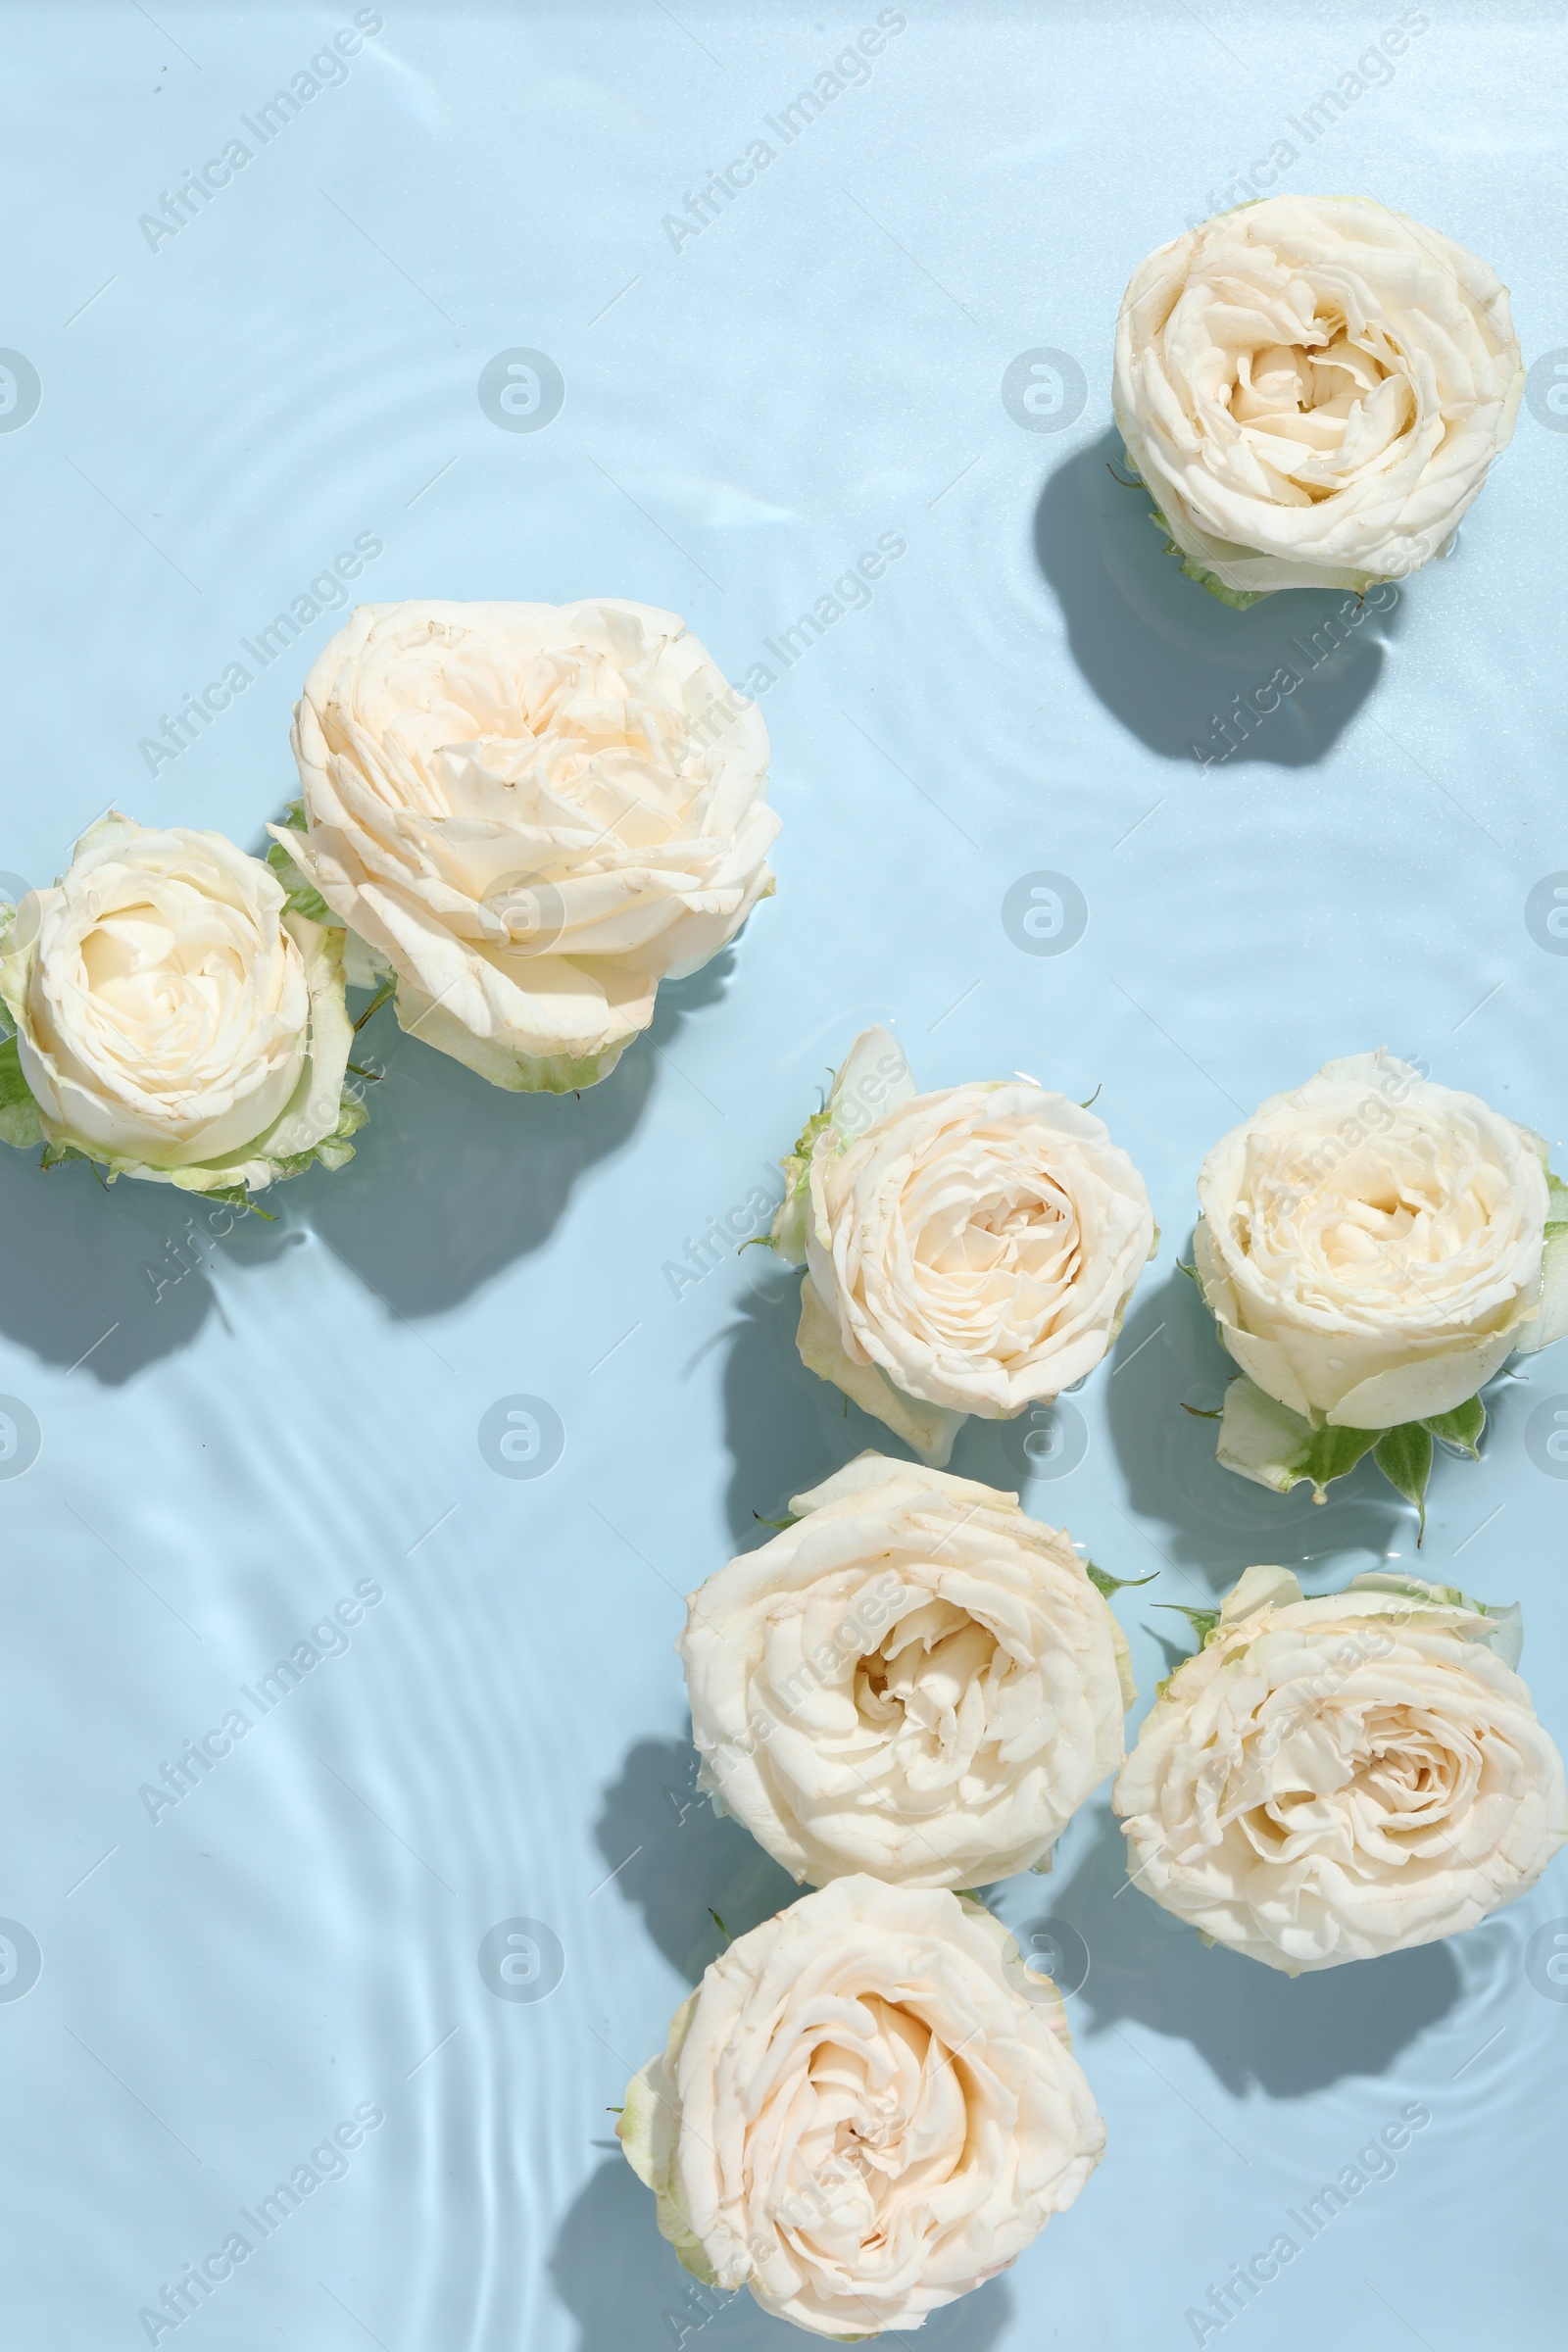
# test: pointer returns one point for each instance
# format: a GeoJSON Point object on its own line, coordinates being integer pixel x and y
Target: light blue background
{"type": "Point", "coordinates": [298, 1410]}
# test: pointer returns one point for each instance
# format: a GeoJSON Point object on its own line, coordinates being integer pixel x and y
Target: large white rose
{"type": "Point", "coordinates": [172, 1020]}
{"type": "Point", "coordinates": [915, 1680]}
{"type": "Point", "coordinates": [1328, 1780]}
{"type": "Point", "coordinates": [865, 2109]}
{"type": "Point", "coordinates": [969, 1251]}
{"type": "Point", "coordinates": [533, 813]}
{"type": "Point", "coordinates": [1372, 1246]}
{"type": "Point", "coordinates": [1313, 388]}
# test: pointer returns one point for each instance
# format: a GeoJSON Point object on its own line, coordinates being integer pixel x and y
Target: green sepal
{"type": "Point", "coordinates": [1334, 1454]}
{"type": "Point", "coordinates": [236, 1195]}
{"type": "Point", "coordinates": [20, 1123]}
{"type": "Point", "coordinates": [787, 1233]}
{"type": "Point", "coordinates": [54, 1155]}
{"type": "Point", "coordinates": [1462, 1427]}
{"type": "Point", "coordinates": [1557, 1205]}
{"type": "Point", "coordinates": [1264, 1439]}
{"type": "Point", "coordinates": [1239, 598]}
{"type": "Point", "coordinates": [333, 1151]}
{"type": "Point", "coordinates": [1404, 1457]}
{"type": "Point", "coordinates": [1201, 1621]}
{"type": "Point", "coordinates": [1108, 1585]}
{"type": "Point", "coordinates": [850, 1091]}
{"type": "Point", "coordinates": [302, 896]}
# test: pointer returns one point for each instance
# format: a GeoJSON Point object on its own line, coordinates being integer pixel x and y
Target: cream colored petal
{"type": "Point", "coordinates": [1260, 1438]}
{"type": "Point", "coordinates": [318, 1104]}
{"type": "Point", "coordinates": [927, 1429]}
{"type": "Point", "coordinates": [1414, 1391]}
{"type": "Point", "coordinates": [1550, 1322]}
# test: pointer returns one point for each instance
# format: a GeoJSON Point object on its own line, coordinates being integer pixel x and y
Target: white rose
{"type": "Point", "coordinates": [969, 1251]}
{"type": "Point", "coordinates": [1328, 1780]}
{"type": "Point", "coordinates": [533, 813]}
{"type": "Point", "coordinates": [1372, 1248]}
{"type": "Point", "coordinates": [1313, 388]}
{"type": "Point", "coordinates": [862, 2113]}
{"type": "Point", "coordinates": [915, 1680]}
{"type": "Point", "coordinates": [172, 1020]}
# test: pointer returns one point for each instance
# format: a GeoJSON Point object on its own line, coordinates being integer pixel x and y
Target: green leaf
{"type": "Point", "coordinates": [20, 1123]}
{"type": "Point", "coordinates": [1108, 1585]}
{"type": "Point", "coordinates": [1461, 1428]}
{"type": "Point", "coordinates": [1193, 1275]}
{"type": "Point", "coordinates": [1404, 1457]}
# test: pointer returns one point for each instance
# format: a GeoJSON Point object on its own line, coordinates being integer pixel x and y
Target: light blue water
{"type": "Point", "coordinates": [237, 1432]}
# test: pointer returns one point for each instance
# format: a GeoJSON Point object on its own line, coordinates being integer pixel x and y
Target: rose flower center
{"type": "Point", "coordinates": [1314, 408]}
